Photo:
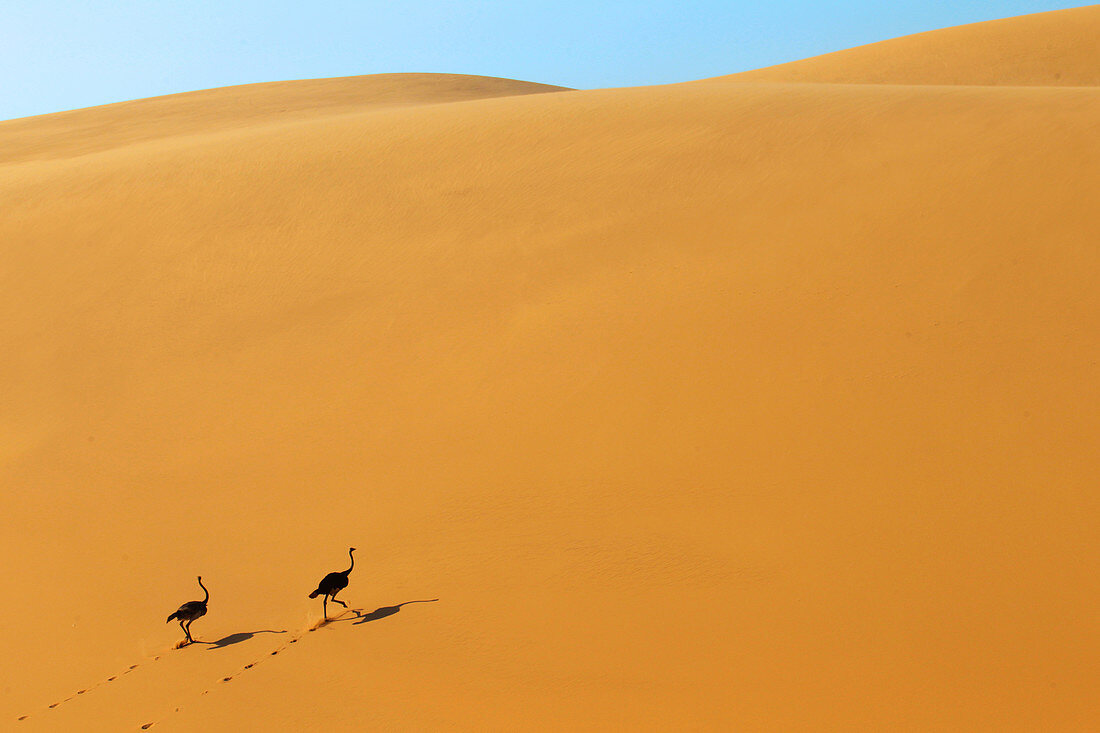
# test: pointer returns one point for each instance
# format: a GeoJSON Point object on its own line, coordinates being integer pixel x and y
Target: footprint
{"type": "Point", "coordinates": [23, 717]}
{"type": "Point", "coordinates": [54, 705]}
{"type": "Point", "coordinates": [81, 692]}
{"type": "Point", "coordinates": [226, 679]}
{"type": "Point", "coordinates": [112, 679]}
{"type": "Point", "coordinates": [274, 652]}
{"type": "Point", "coordinates": [248, 666]}
{"type": "Point", "coordinates": [147, 726]}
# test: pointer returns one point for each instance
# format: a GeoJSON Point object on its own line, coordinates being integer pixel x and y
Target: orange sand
{"type": "Point", "coordinates": [734, 405]}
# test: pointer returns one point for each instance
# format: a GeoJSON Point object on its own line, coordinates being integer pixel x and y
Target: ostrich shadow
{"type": "Point", "coordinates": [236, 638]}
{"type": "Point", "coordinates": [385, 611]}
{"type": "Point", "coordinates": [359, 617]}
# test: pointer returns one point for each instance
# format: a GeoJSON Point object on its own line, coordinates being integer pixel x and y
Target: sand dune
{"type": "Point", "coordinates": [711, 406]}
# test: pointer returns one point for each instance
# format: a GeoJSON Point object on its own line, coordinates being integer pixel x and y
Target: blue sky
{"type": "Point", "coordinates": [64, 54]}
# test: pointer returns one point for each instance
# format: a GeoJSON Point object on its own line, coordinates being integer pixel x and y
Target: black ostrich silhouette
{"type": "Point", "coordinates": [190, 611]}
{"type": "Point", "coordinates": [332, 584]}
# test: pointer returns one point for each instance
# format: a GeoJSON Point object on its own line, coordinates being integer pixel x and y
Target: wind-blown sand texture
{"type": "Point", "coordinates": [764, 402]}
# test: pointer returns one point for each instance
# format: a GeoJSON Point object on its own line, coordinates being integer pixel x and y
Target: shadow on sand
{"type": "Point", "coordinates": [236, 638]}
{"type": "Point", "coordinates": [361, 618]}
{"type": "Point", "coordinates": [386, 611]}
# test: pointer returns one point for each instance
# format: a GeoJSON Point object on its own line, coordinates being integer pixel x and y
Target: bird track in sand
{"type": "Point", "coordinates": [228, 678]}
{"type": "Point", "coordinates": [92, 688]}
{"type": "Point", "coordinates": [133, 667]}
{"type": "Point", "coordinates": [354, 613]}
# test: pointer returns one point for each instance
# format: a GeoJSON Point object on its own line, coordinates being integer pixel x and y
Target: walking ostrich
{"type": "Point", "coordinates": [190, 611]}
{"type": "Point", "coordinates": [332, 584]}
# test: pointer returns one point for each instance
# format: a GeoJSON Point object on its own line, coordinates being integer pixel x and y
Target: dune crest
{"type": "Point", "coordinates": [93, 129]}
{"type": "Point", "coordinates": [1056, 48]}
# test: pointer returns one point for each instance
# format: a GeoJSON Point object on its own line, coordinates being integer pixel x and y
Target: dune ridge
{"type": "Point", "coordinates": [1057, 48]}
{"type": "Point", "coordinates": [723, 405]}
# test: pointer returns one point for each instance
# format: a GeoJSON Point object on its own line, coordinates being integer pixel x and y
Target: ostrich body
{"type": "Point", "coordinates": [190, 611]}
{"type": "Point", "coordinates": [332, 584]}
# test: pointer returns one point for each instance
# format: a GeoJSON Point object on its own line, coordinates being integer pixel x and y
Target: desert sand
{"type": "Point", "coordinates": [764, 402]}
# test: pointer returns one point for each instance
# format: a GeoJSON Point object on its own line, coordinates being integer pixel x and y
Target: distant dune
{"type": "Point", "coordinates": [760, 403]}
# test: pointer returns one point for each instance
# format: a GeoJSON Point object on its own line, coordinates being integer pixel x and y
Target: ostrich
{"type": "Point", "coordinates": [190, 611]}
{"type": "Point", "coordinates": [332, 584]}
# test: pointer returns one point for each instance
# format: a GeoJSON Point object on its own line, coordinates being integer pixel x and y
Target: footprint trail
{"type": "Point", "coordinates": [352, 613]}
{"type": "Point", "coordinates": [92, 688]}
